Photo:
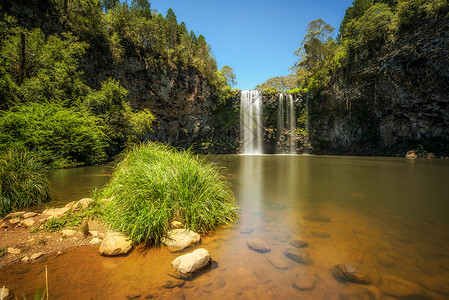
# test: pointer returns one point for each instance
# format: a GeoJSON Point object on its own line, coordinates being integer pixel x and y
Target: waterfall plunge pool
{"type": "Point", "coordinates": [386, 216]}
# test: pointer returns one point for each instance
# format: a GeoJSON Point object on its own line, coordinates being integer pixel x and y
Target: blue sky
{"type": "Point", "coordinates": [256, 38]}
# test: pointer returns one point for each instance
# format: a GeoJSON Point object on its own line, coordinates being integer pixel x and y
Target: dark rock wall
{"type": "Point", "coordinates": [181, 100]}
{"type": "Point", "coordinates": [392, 101]}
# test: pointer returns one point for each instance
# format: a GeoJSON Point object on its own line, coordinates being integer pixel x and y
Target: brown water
{"type": "Point", "coordinates": [386, 216]}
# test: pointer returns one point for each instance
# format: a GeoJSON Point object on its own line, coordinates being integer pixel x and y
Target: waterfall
{"type": "Point", "coordinates": [251, 127]}
{"type": "Point", "coordinates": [286, 124]}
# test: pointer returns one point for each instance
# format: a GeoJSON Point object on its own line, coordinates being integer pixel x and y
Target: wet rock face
{"type": "Point", "coordinates": [391, 98]}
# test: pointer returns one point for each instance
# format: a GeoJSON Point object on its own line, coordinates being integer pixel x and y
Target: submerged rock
{"type": "Point", "coordinates": [358, 292]}
{"type": "Point", "coordinates": [186, 265]}
{"type": "Point", "coordinates": [401, 288]}
{"type": "Point", "coordinates": [169, 284]}
{"type": "Point", "coordinates": [179, 239]}
{"type": "Point", "coordinates": [299, 243]}
{"type": "Point", "coordinates": [317, 219]}
{"type": "Point", "coordinates": [304, 281]}
{"type": "Point", "coordinates": [258, 245]}
{"type": "Point", "coordinates": [299, 255]}
{"type": "Point", "coordinates": [246, 230]}
{"type": "Point", "coordinates": [278, 262]}
{"type": "Point", "coordinates": [350, 273]}
{"type": "Point", "coordinates": [115, 243]}
{"type": "Point", "coordinates": [321, 233]}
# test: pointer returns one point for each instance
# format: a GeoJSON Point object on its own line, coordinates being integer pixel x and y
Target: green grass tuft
{"type": "Point", "coordinates": [154, 184]}
{"type": "Point", "coordinates": [23, 182]}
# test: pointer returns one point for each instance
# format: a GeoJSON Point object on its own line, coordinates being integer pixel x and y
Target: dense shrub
{"type": "Point", "coordinates": [23, 181]}
{"type": "Point", "coordinates": [154, 184]}
{"type": "Point", "coordinates": [61, 137]}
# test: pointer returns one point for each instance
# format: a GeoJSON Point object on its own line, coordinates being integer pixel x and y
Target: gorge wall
{"type": "Point", "coordinates": [181, 100]}
{"type": "Point", "coordinates": [392, 101]}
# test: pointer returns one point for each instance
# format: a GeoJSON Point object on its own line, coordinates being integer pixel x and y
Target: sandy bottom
{"type": "Point", "coordinates": [377, 243]}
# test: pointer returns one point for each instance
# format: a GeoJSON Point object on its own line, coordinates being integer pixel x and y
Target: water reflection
{"type": "Point", "coordinates": [386, 216]}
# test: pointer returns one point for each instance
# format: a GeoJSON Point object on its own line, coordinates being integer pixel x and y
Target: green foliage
{"type": "Point", "coordinates": [23, 181]}
{"type": "Point", "coordinates": [229, 75]}
{"type": "Point", "coordinates": [279, 83]}
{"type": "Point", "coordinates": [61, 137]}
{"type": "Point", "coordinates": [49, 68]}
{"type": "Point", "coordinates": [123, 125]}
{"type": "Point", "coordinates": [372, 29]}
{"type": "Point", "coordinates": [153, 184]}
{"type": "Point", "coordinates": [54, 224]}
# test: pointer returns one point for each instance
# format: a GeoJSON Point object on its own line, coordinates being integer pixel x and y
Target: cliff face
{"type": "Point", "coordinates": [394, 100]}
{"type": "Point", "coordinates": [181, 101]}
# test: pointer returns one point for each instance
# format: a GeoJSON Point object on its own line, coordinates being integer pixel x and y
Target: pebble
{"type": "Point", "coordinates": [36, 255]}
{"type": "Point", "coordinates": [94, 241]}
{"type": "Point", "coordinates": [14, 221]}
{"type": "Point", "coordinates": [13, 250]}
{"type": "Point", "coordinates": [68, 232]}
{"type": "Point", "coordinates": [5, 294]}
{"type": "Point", "coordinates": [93, 233]}
{"type": "Point", "coordinates": [25, 259]}
{"type": "Point", "coordinates": [176, 225]}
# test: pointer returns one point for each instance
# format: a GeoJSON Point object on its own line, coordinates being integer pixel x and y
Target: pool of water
{"type": "Point", "coordinates": [386, 216]}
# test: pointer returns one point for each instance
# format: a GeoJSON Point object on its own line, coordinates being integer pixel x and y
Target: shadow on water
{"type": "Point", "coordinates": [386, 216]}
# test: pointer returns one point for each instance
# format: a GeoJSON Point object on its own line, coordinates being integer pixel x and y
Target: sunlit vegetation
{"type": "Point", "coordinates": [368, 27]}
{"type": "Point", "coordinates": [48, 108]}
{"type": "Point", "coordinates": [22, 181]}
{"type": "Point", "coordinates": [154, 184]}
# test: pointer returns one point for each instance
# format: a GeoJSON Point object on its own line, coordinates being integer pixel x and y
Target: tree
{"type": "Point", "coordinates": [172, 26]}
{"type": "Point", "coordinates": [280, 83]}
{"type": "Point", "coordinates": [316, 51]}
{"type": "Point", "coordinates": [229, 75]}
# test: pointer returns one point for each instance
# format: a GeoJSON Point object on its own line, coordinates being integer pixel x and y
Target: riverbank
{"type": "Point", "coordinates": [26, 237]}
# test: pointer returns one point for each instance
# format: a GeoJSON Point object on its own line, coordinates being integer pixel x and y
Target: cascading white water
{"type": "Point", "coordinates": [286, 124]}
{"type": "Point", "coordinates": [251, 126]}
